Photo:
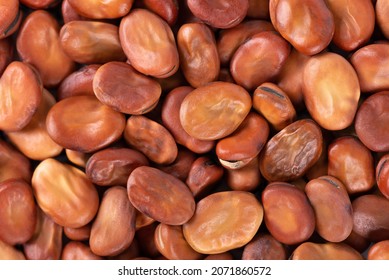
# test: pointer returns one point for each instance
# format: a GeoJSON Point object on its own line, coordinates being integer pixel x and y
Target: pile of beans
{"type": "Point", "coordinates": [194, 129]}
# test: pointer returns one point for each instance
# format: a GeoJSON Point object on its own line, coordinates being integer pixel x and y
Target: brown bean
{"type": "Point", "coordinates": [168, 10]}
{"type": "Point", "coordinates": [223, 221]}
{"type": "Point", "coordinates": [10, 17]}
{"type": "Point", "coordinates": [199, 59]}
{"type": "Point", "coordinates": [370, 218]}
{"type": "Point", "coordinates": [219, 14]}
{"type": "Point", "coordinates": [292, 151]}
{"type": "Point", "coordinates": [151, 138]}
{"type": "Point", "coordinates": [358, 242]}
{"type": "Point", "coordinates": [274, 104]}
{"type": "Point", "coordinates": [171, 242]}
{"type": "Point", "coordinates": [142, 220]}
{"type": "Point", "coordinates": [214, 111]}
{"type": "Point", "coordinates": [352, 163]}
{"type": "Point", "coordinates": [33, 140]}
{"type": "Point", "coordinates": [39, 4]}
{"type": "Point", "coordinates": [13, 164]}
{"type": "Point", "coordinates": [258, 9]}
{"type": "Point", "coordinates": [78, 234]}
{"type": "Point", "coordinates": [379, 251]}
{"type": "Point", "coordinates": [246, 178]}
{"type": "Point", "coordinates": [64, 193]}
{"type": "Point", "coordinates": [259, 59]}
{"type": "Point", "coordinates": [289, 216]}
{"type": "Point", "coordinates": [334, 221]}
{"type": "Point", "coordinates": [114, 227]}
{"type": "Point", "coordinates": [382, 12]}
{"type": "Point", "coordinates": [38, 44]}
{"type": "Point", "coordinates": [331, 90]}
{"type": "Point", "coordinates": [230, 39]}
{"type": "Point", "coordinates": [17, 110]}
{"type": "Point", "coordinates": [88, 42]}
{"type": "Point", "coordinates": [326, 251]}
{"type": "Point", "coordinates": [149, 43]}
{"type": "Point", "coordinates": [8, 252]}
{"type": "Point", "coordinates": [371, 122]}
{"type": "Point", "coordinates": [309, 26]}
{"type": "Point", "coordinates": [382, 175]}
{"type": "Point", "coordinates": [146, 241]}
{"type": "Point", "coordinates": [77, 158]}
{"type": "Point", "coordinates": [181, 166]}
{"type": "Point", "coordinates": [264, 247]}
{"type": "Point", "coordinates": [6, 53]}
{"type": "Point", "coordinates": [160, 196]}
{"type": "Point", "coordinates": [100, 10]}
{"type": "Point", "coordinates": [18, 211]}
{"type": "Point", "coordinates": [245, 143]}
{"type": "Point", "coordinates": [128, 254]}
{"type": "Point", "coordinates": [84, 124]}
{"type": "Point", "coordinates": [75, 250]}
{"type": "Point", "coordinates": [131, 93]}
{"type": "Point", "coordinates": [112, 166]}
{"type": "Point", "coordinates": [69, 13]}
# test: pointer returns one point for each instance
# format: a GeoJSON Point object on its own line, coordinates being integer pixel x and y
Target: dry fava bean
{"type": "Point", "coordinates": [371, 64]}
{"type": "Point", "coordinates": [264, 247]}
{"type": "Point", "coordinates": [230, 39]}
{"type": "Point", "coordinates": [379, 251]}
{"type": "Point", "coordinates": [46, 244]}
{"type": "Point", "coordinates": [17, 106]}
{"type": "Point", "coordinates": [75, 250]}
{"type": "Point", "coordinates": [382, 12]}
{"type": "Point", "coordinates": [332, 207]}
{"type": "Point", "coordinates": [168, 9]}
{"type": "Point", "coordinates": [309, 25]}
{"type": "Point", "coordinates": [223, 221]}
{"type": "Point", "coordinates": [292, 151]}
{"type": "Point", "coordinates": [382, 175]}
{"type": "Point", "coordinates": [371, 122]}
{"type": "Point", "coordinates": [64, 193]}
{"type": "Point", "coordinates": [77, 158]}
{"type": "Point", "coordinates": [151, 138]}
{"type": "Point", "coordinates": [17, 213]}
{"type": "Point", "coordinates": [120, 86]}
{"type": "Point", "coordinates": [88, 42]}
{"type": "Point", "coordinates": [8, 252]}
{"type": "Point", "coordinates": [84, 124]}
{"type": "Point", "coordinates": [358, 242]}
{"type": "Point", "coordinates": [114, 226]}
{"type": "Point", "coordinates": [180, 167]}
{"type": "Point", "coordinates": [353, 28]}
{"type": "Point", "coordinates": [325, 251]}
{"type": "Point", "coordinates": [102, 9]}
{"type": "Point", "coordinates": [370, 217]}
{"type": "Point", "coordinates": [38, 44]}
{"type": "Point", "coordinates": [352, 163]}
{"type": "Point", "coordinates": [331, 90]}
{"type": "Point", "coordinates": [274, 104]}
{"type": "Point", "coordinates": [160, 196]}
{"type": "Point", "coordinates": [258, 9]}
{"type": "Point", "coordinates": [112, 166]}
{"type": "Point", "coordinates": [142, 220]}
{"type": "Point", "coordinates": [39, 4]}
{"type": "Point", "coordinates": [6, 53]}
{"type": "Point", "coordinates": [171, 242]}
{"type": "Point", "coordinates": [33, 140]}
{"type": "Point", "coordinates": [130, 253]}
{"type": "Point", "coordinates": [149, 43]}
{"type": "Point", "coordinates": [170, 115]}
{"type": "Point", "coordinates": [10, 17]}
{"type": "Point", "coordinates": [13, 164]}
{"type": "Point", "coordinates": [246, 178]}
{"type": "Point", "coordinates": [78, 234]}
{"type": "Point", "coordinates": [215, 110]}
{"type": "Point", "coordinates": [79, 82]}
{"type": "Point", "coordinates": [199, 59]}
{"type": "Point", "coordinates": [289, 216]}
{"type": "Point", "coordinates": [219, 13]}
{"type": "Point", "coordinates": [69, 13]}
{"type": "Point", "coordinates": [259, 59]}
{"type": "Point", "coordinates": [245, 143]}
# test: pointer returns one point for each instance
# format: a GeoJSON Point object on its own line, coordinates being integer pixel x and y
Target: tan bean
{"type": "Point", "coordinates": [77, 158]}
{"type": "Point", "coordinates": [8, 252]}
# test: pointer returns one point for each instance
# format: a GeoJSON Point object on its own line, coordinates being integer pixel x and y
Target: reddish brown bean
{"type": "Point", "coordinates": [130, 253]}
{"type": "Point", "coordinates": [10, 17]}
{"type": "Point", "coordinates": [358, 242]}
{"type": "Point", "coordinates": [382, 175]}
{"type": "Point", "coordinates": [142, 220]}
{"type": "Point", "coordinates": [69, 13]}
{"type": "Point", "coordinates": [214, 111]}
{"type": "Point", "coordinates": [149, 43]}
{"type": "Point", "coordinates": [334, 221]}
{"type": "Point", "coordinates": [181, 166]}
{"type": "Point", "coordinates": [38, 44]}
{"type": "Point", "coordinates": [84, 124]}
{"type": "Point", "coordinates": [17, 213]}
{"type": "Point", "coordinates": [289, 216]}
{"type": "Point", "coordinates": [352, 163]}
{"type": "Point", "coordinates": [13, 165]}
{"type": "Point", "coordinates": [259, 59]}
{"type": "Point", "coordinates": [77, 158]}
{"type": "Point", "coordinates": [101, 10]}
{"type": "Point", "coordinates": [6, 53]}
{"type": "Point", "coordinates": [160, 196]}
{"type": "Point", "coordinates": [258, 9]}
{"type": "Point", "coordinates": [16, 109]}
{"type": "Point", "coordinates": [151, 138]}
{"type": "Point", "coordinates": [64, 193]}
{"type": "Point", "coordinates": [264, 247]}
{"type": "Point", "coordinates": [130, 93]}
{"type": "Point", "coordinates": [8, 252]}
{"type": "Point", "coordinates": [219, 14]}
{"type": "Point", "coordinates": [382, 12]}
{"type": "Point", "coordinates": [309, 26]}
{"type": "Point", "coordinates": [326, 251]}
{"type": "Point", "coordinates": [331, 90]}
{"type": "Point", "coordinates": [292, 151]}
{"type": "Point", "coordinates": [168, 9]}
{"type": "Point", "coordinates": [39, 4]}
{"type": "Point", "coordinates": [114, 227]}
{"type": "Point", "coordinates": [371, 122]}
{"type": "Point", "coordinates": [146, 241]}
{"type": "Point", "coordinates": [379, 251]}
{"type": "Point", "coordinates": [78, 234]}
{"type": "Point", "coordinates": [75, 250]}
{"type": "Point", "coordinates": [246, 178]}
